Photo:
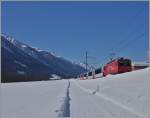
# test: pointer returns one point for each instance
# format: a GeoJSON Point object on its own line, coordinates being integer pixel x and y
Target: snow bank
{"type": "Point", "coordinates": [130, 91]}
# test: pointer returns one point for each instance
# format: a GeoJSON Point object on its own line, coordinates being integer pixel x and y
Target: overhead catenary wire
{"type": "Point", "coordinates": [125, 41]}
{"type": "Point", "coordinates": [127, 44]}
{"type": "Point", "coordinates": [130, 23]}
{"type": "Point", "coordinates": [120, 44]}
{"type": "Point", "coordinates": [131, 42]}
{"type": "Point", "coordinates": [121, 41]}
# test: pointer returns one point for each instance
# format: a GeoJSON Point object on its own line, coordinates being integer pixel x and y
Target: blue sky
{"type": "Point", "coordinates": [70, 28]}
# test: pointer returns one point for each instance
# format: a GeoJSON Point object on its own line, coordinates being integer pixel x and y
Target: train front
{"type": "Point", "coordinates": [124, 65]}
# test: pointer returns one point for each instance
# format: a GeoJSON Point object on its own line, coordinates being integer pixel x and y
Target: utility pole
{"type": "Point", "coordinates": [86, 64]}
{"type": "Point", "coordinates": [86, 60]}
{"type": "Point", "coordinates": [149, 56]}
{"type": "Point", "coordinates": [149, 41]}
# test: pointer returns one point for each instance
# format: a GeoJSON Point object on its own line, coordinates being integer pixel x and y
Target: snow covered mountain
{"type": "Point", "coordinates": [21, 62]}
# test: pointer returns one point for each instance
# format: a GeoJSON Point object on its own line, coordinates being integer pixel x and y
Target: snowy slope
{"type": "Point", "coordinates": [116, 96]}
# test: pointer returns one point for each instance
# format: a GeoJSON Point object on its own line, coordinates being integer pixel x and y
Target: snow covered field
{"type": "Point", "coordinates": [115, 96]}
{"type": "Point", "coordinates": [32, 99]}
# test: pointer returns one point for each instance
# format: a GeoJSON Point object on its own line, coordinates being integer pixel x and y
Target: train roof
{"type": "Point", "coordinates": [119, 58]}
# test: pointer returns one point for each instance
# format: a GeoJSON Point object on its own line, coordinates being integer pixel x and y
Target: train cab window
{"type": "Point", "coordinates": [90, 74]}
{"type": "Point", "coordinates": [121, 64]}
{"type": "Point", "coordinates": [125, 63]}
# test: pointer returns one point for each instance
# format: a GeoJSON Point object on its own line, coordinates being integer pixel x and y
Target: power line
{"type": "Point", "coordinates": [127, 44]}
{"type": "Point", "coordinates": [120, 42]}
{"type": "Point", "coordinates": [132, 21]}
{"type": "Point", "coordinates": [131, 42]}
{"type": "Point", "coordinates": [124, 39]}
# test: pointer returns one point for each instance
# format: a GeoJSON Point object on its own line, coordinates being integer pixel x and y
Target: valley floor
{"type": "Point", "coordinates": [115, 96]}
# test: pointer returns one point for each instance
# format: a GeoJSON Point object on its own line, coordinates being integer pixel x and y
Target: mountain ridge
{"type": "Point", "coordinates": [21, 56]}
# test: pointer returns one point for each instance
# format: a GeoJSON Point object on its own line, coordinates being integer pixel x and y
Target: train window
{"type": "Point", "coordinates": [98, 71]}
{"type": "Point", "coordinates": [121, 64]}
{"type": "Point", "coordinates": [125, 63]}
{"type": "Point", "coordinates": [90, 73]}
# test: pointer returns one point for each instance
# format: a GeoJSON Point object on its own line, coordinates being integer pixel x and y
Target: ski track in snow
{"type": "Point", "coordinates": [64, 108]}
{"type": "Point", "coordinates": [108, 99]}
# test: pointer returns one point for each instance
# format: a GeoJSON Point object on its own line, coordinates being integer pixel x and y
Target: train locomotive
{"type": "Point", "coordinates": [116, 66]}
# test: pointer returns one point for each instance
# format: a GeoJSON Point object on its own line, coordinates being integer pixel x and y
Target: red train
{"type": "Point", "coordinates": [116, 66]}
